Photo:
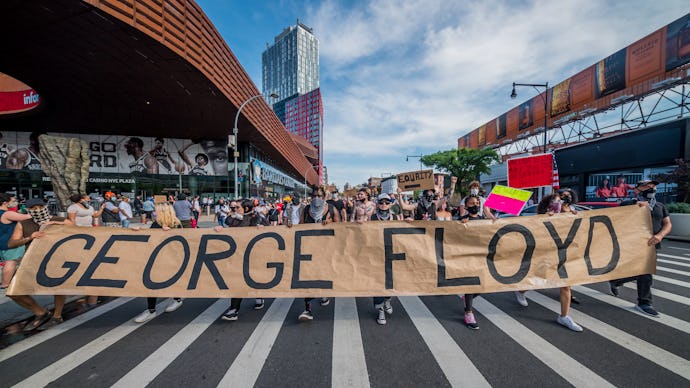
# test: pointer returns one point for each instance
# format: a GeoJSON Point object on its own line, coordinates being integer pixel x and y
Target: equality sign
{"type": "Point", "coordinates": [530, 171]}
{"type": "Point", "coordinates": [388, 258]}
{"type": "Point", "coordinates": [416, 180]}
{"type": "Point", "coordinates": [507, 199]}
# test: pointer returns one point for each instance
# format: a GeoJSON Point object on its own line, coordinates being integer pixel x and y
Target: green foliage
{"type": "Point", "coordinates": [679, 176]}
{"type": "Point", "coordinates": [678, 207]}
{"type": "Point", "coordinates": [465, 163]}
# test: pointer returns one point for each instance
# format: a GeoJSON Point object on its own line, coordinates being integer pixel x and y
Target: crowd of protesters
{"type": "Point", "coordinates": [17, 230]}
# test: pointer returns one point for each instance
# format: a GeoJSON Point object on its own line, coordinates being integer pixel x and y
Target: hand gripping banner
{"type": "Point", "coordinates": [342, 259]}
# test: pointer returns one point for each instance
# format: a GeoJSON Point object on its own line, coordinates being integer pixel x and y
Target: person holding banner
{"type": "Point", "coordinates": [475, 189]}
{"type": "Point", "coordinates": [566, 198]}
{"type": "Point", "coordinates": [473, 205]}
{"type": "Point", "coordinates": [645, 193]}
{"type": "Point", "coordinates": [383, 213]}
{"type": "Point", "coordinates": [166, 220]}
{"type": "Point", "coordinates": [317, 212]}
{"type": "Point", "coordinates": [425, 208]}
{"type": "Point", "coordinates": [363, 207]}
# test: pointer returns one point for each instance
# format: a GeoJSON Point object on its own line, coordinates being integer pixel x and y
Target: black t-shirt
{"type": "Point", "coordinates": [659, 212]}
{"type": "Point", "coordinates": [338, 205]}
{"type": "Point", "coordinates": [467, 217]}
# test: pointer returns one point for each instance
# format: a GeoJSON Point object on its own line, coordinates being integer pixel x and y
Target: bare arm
{"type": "Point", "coordinates": [14, 216]}
{"type": "Point", "coordinates": [665, 229]}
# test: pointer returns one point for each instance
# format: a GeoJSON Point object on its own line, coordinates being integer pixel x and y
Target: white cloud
{"type": "Point", "coordinates": [404, 76]}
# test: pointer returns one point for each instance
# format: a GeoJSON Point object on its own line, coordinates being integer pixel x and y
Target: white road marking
{"type": "Point", "coordinates": [349, 367]}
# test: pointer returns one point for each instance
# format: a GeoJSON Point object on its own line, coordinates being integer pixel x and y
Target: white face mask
{"type": "Point", "coordinates": [474, 191]}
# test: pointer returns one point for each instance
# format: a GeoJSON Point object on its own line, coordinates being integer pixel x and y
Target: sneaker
{"type": "Point", "coordinates": [569, 323]}
{"type": "Point", "coordinates": [230, 315]}
{"type": "Point", "coordinates": [174, 305]}
{"type": "Point", "coordinates": [647, 309]}
{"type": "Point", "coordinates": [470, 321]}
{"type": "Point", "coordinates": [258, 304]}
{"type": "Point", "coordinates": [54, 321]}
{"type": "Point", "coordinates": [381, 320]}
{"type": "Point", "coordinates": [520, 296]}
{"type": "Point", "coordinates": [305, 316]}
{"type": "Point", "coordinates": [614, 289]}
{"type": "Point", "coordinates": [325, 301]}
{"type": "Point", "coordinates": [146, 316]}
{"type": "Point", "coordinates": [387, 307]}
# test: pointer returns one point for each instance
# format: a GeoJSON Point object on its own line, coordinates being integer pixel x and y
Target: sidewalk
{"type": "Point", "coordinates": [11, 312]}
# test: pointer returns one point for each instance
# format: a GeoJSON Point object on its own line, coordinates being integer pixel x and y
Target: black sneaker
{"type": "Point", "coordinates": [259, 304]}
{"type": "Point", "coordinates": [614, 289]}
{"type": "Point", "coordinates": [325, 301]}
{"type": "Point", "coordinates": [647, 309]}
{"type": "Point", "coordinates": [230, 315]}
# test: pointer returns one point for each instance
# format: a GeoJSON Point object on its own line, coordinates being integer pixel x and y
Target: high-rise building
{"type": "Point", "coordinates": [290, 68]}
{"type": "Point", "coordinates": [291, 65]}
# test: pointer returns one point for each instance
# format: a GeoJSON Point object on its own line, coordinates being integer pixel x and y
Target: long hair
{"type": "Point", "coordinates": [545, 202]}
{"type": "Point", "coordinates": [165, 215]}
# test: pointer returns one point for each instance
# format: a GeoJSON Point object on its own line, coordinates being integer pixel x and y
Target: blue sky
{"type": "Point", "coordinates": [409, 77]}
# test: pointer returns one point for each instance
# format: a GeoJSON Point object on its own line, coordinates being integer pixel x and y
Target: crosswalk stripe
{"type": "Point", "coordinates": [59, 329]}
{"type": "Point", "coordinates": [567, 367]}
{"type": "Point", "coordinates": [665, 295]}
{"type": "Point", "coordinates": [64, 365]}
{"type": "Point", "coordinates": [653, 353]}
{"type": "Point", "coordinates": [673, 262]}
{"type": "Point", "coordinates": [674, 257]}
{"type": "Point", "coordinates": [664, 319]}
{"type": "Point", "coordinates": [349, 367]}
{"type": "Point", "coordinates": [457, 367]}
{"type": "Point", "coordinates": [154, 364]}
{"type": "Point", "coordinates": [671, 270]}
{"type": "Point", "coordinates": [671, 281]}
{"type": "Point", "coordinates": [248, 364]}
{"type": "Point", "coordinates": [683, 249]}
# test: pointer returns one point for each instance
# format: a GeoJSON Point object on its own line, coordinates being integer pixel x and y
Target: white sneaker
{"type": "Point", "coordinates": [520, 296]}
{"type": "Point", "coordinates": [174, 305]}
{"type": "Point", "coordinates": [569, 323]}
{"type": "Point", "coordinates": [387, 307]}
{"type": "Point", "coordinates": [381, 319]}
{"type": "Point", "coordinates": [145, 316]}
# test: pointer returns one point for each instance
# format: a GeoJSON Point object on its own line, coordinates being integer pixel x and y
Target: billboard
{"type": "Point", "coordinates": [134, 155]}
{"type": "Point", "coordinates": [631, 70]}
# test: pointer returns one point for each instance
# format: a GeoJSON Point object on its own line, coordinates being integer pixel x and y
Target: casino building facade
{"type": "Point", "coordinates": [153, 90]}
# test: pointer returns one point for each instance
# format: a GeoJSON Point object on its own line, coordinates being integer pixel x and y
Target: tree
{"type": "Point", "coordinates": [465, 163]}
{"type": "Point", "coordinates": [679, 176]}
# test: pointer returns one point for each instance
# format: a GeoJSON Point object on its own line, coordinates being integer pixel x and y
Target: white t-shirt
{"type": "Point", "coordinates": [84, 216]}
{"type": "Point", "coordinates": [125, 211]}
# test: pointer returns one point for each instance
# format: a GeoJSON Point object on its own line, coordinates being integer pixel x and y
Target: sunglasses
{"type": "Point", "coordinates": [384, 202]}
{"type": "Point", "coordinates": [317, 195]}
{"type": "Point", "coordinates": [233, 207]}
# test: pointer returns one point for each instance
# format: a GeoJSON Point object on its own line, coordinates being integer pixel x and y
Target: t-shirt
{"type": "Point", "coordinates": [183, 210]}
{"type": "Point", "coordinates": [108, 215]}
{"type": "Point", "coordinates": [84, 216]}
{"type": "Point", "coordinates": [125, 211]}
{"type": "Point", "coordinates": [29, 226]}
{"type": "Point", "coordinates": [659, 212]}
{"type": "Point", "coordinates": [148, 206]}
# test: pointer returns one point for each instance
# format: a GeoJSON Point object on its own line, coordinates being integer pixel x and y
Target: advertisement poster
{"type": "Point", "coordinates": [560, 98]}
{"type": "Point", "coordinates": [582, 87]}
{"type": "Point", "coordinates": [678, 43]}
{"type": "Point", "coordinates": [482, 135]}
{"type": "Point", "coordinates": [525, 115]}
{"type": "Point", "coordinates": [645, 58]}
{"type": "Point", "coordinates": [610, 74]}
{"type": "Point", "coordinates": [133, 155]}
{"type": "Point", "coordinates": [501, 123]}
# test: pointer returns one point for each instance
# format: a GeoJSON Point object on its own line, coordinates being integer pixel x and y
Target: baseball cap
{"type": "Point", "coordinates": [382, 197]}
{"type": "Point", "coordinates": [34, 202]}
{"type": "Point", "coordinates": [646, 182]}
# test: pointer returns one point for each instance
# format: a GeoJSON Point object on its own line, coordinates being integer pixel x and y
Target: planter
{"type": "Point", "coordinates": [680, 227]}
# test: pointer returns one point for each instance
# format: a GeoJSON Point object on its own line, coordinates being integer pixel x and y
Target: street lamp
{"type": "Point", "coordinates": [545, 85]}
{"type": "Point", "coordinates": [420, 156]}
{"type": "Point", "coordinates": [234, 132]}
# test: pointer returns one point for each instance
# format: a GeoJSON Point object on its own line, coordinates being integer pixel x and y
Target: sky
{"type": "Point", "coordinates": [403, 77]}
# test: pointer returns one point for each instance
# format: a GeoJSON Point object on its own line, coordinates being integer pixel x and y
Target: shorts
{"type": "Point", "coordinates": [12, 254]}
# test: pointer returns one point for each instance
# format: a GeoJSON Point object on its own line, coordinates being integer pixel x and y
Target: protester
{"type": "Point", "coordinates": [110, 211]}
{"type": "Point", "coordinates": [125, 212]}
{"type": "Point", "coordinates": [137, 206]}
{"type": "Point", "coordinates": [148, 208]}
{"type": "Point", "coordinates": [339, 206]}
{"type": "Point", "coordinates": [363, 208]}
{"type": "Point", "coordinates": [8, 221]}
{"type": "Point", "coordinates": [476, 190]}
{"type": "Point", "coordinates": [645, 195]}
{"type": "Point", "coordinates": [80, 212]}
{"type": "Point", "coordinates": [166, 220]}
{"type": "Point", "coordinates": [546, 206]}
{"type": "Point", "coordinates": [293, 211]}
{"type": "Point", "coordinates": [472, 207]}
{"type": "Point", "coordinates": [221, 212]}
{"type": "Point", "coordinates": [183, 210]}
{"type": "Point", "coordinates": [442, 213]}
{"type": "Point", "coordinates": [24, 233]}
{"type": "Point", "coordinates": [317, 212]}
{"type": "Point", "coordinates": [383, 213]}
{"type": "Point", "coordinates": [425, 208]}
{"type": "Point", "coordinates": [196, 208]}
{"type": "Point", "coordinates": [242, 217]}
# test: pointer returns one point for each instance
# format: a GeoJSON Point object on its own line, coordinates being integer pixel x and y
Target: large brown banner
{"type": "Point", "coordinates": [375, 258]}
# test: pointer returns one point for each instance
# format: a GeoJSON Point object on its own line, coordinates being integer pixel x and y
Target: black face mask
{"type": "Point", "coordinates": [473, 209]}
{"type": "Point", "coordinates": [649, 193]}
{"type": "Point", "coordinates": [567, 200]}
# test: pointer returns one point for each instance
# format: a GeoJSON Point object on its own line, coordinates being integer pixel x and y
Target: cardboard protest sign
{"type": "Point", "coordinates": [507, 199]}
{"type": "Point", "coordinates": [530, 171]}
{"type": "Point", "coordinates": [341, 259]}
{"type": "Point", "coordinates": [349, 193]}
{"type": "Point", "coordinates": [160, 198]}
{"type": "Point", "coordinates": [416, 180]}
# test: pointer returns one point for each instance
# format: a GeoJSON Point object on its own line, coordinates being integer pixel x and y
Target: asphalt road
{"type": "Point", "coordinates": [424, 343]}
